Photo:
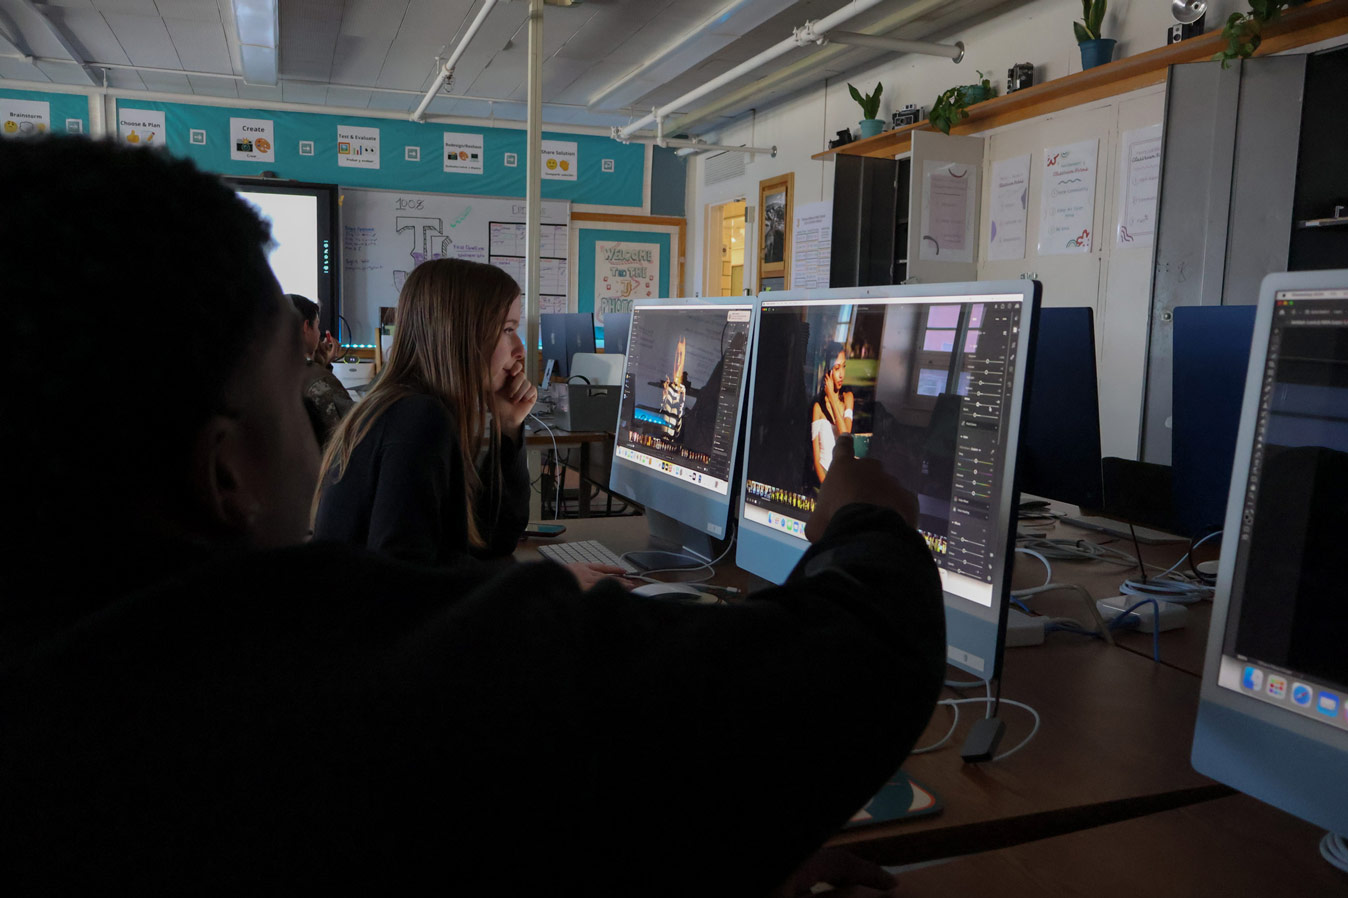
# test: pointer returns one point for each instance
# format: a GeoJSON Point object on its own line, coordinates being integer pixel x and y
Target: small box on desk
{"type": "Point", "coordinates": [587, 406]}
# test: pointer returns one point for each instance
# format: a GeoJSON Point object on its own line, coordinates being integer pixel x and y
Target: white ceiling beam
{"type": "Point", "coordinates": [257, 24]}
{"type": "Point", "coordinates": [61, 38]}
{"type": "Point", "coordinates": [447, 69]}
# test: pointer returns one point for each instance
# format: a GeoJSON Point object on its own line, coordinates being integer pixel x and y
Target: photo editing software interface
{"type": "Point", "coordinates": [1286, 627]}
{"type": "Point", "coordinates": [681, 391]}
{"type": "Point", "coordinates": [924, 386]}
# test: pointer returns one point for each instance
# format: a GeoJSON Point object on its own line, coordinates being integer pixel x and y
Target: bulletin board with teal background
{"type": "Point", "coordinates": [64, 108]}
{"type": "Point", "coordinates": [587, 237]}
{"type": "Point", "coordinates": [622, 186]}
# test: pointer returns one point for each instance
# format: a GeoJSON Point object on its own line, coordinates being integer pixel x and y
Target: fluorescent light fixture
{"type": "Point", "coordinates": [258, 28]}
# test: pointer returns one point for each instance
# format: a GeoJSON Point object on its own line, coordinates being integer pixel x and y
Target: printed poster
{"type": "Point", "coordinates": [560, 160]}
{"type": "Point", "coordinates": [1010, 209]}
{"type": "Point", "coordinates": [20, 118]}
{"type": "Point", "coordinates": [623, 272]}
{"type": "Point", "coordinates": [252, 140]}
{"type": "Point", "coordinates": [463, 153]}
{"type": "Point", "coordinates": [1067, 210]}
{"type": "Point", "coordinates": [949, 192]}
{"type": "Point", "coordinates": [141, 127]}
{"type": "Point", "coordinates": [1140, 182]}
{"type": "Point", "coordinates": [811, 245]}
{"type": "Point", "coordinates": [357, 147]}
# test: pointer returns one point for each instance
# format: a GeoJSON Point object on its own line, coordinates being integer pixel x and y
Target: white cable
{"type": "Point", "coordinates": [709, 566]}
{"type": "Point", "coordinates": [944, 739]}
{"type": "Point", "coordinates": [1006, 701]}
{"type": "Point", "coordinates": [1048, 572]}
{"type": "Point", "coordinates": [1334, 848]}
{"type": "Point", "coordinates": [557, 460]}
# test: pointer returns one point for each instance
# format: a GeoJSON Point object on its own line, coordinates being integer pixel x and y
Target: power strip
{"type": "Point", "coordinates": [1023, 629]}
{"type": "Point", "coordinates": [1173, 616]}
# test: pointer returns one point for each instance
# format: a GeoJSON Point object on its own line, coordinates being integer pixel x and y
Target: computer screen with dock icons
{"type": "Point", "coordinates": [928, 380]}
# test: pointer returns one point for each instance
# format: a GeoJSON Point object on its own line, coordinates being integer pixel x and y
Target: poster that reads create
{"type": "Point", "coordinates": [22, 118]}
{"type": "Point", "coordinates": [252, 140]}
{"type": "Point", "coordinates": [141, 127]}
{"type": "Point", "coordinates": [357, 147]}
{"type": "Point", "coordinates": [463, 153]}
{"type": "Point", "coordinates": [623, 272]}
{"type": "Point", "coordinates": [560, 160]}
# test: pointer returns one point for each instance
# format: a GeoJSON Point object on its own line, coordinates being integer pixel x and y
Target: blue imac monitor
{"type": "Point", "coordinates": [564, 335]}
{"type": "Point", "coordinates": [679, 420]}
{"type": "Point", "coordinates": [928, 379]}
{"type": "Point", "coordinates": [616, 327]}
{"type": "Point", "coordinates": [1273, 709]}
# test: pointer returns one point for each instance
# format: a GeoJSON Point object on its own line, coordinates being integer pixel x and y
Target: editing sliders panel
{"type": "Point", "coordinates": [978, 449]}
{"type": "Point", "coordinates": [727, 404]}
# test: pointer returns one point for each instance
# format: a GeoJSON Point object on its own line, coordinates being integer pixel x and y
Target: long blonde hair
{"type": "Point", "coordinates": [449, 320]}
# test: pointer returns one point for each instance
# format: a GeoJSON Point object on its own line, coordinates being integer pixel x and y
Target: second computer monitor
{"type": "Point", "coordinates": [928, 380]}
{"type": "Point", "coordinates": [564, 335]}
{"type": "Point", "coordinates": [616, 326]}
{"type": "Point", "coordinates": [678, 424]}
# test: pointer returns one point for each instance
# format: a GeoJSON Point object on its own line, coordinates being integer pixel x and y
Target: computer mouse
{"type": "Point", "coordinates": [675, 592]}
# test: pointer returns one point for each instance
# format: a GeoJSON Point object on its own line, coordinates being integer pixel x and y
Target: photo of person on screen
{"type": "Point", "coordinates": [675, 393]}
{"type": "Point", "coordinates": [833, 409]}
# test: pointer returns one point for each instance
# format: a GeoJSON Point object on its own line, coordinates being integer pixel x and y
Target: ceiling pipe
{"type": "Point", "coordinates": [795, 42]}
{"type": "Point", "coordinates": [688, 147]}
{"type": "Point", "coordinates": [954, 51]}
{"type": "Point", "coordinates": [447, 69]}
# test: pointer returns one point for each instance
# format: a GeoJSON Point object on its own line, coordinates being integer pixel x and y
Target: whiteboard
{"type": "Point", "coordinates": [386, 233]}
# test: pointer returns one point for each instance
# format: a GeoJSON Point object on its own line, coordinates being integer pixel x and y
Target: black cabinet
{"type": "Point", "coordinates": [870, 221]}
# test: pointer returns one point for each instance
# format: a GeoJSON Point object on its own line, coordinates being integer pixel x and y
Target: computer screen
{"type": "Point", "coordinates": [1059, 454]}
{"type": "Point", "coordinates": [1273, 712]}
{"type": "Point", "coordinates": [615, 329]}
{"type": "Point", "coordinates": [928, 379]}
{"type": "Point", "coordinates": [302, 254]}
{"type": "Point", "coordinates": [678, 424]}
{"type": "Point", "coordinates": [562, 335]}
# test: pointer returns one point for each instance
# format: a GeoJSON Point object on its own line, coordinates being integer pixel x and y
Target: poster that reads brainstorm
{"type": "Point", "coordinates": [23, 118]}
{"type": "Point", "coordinates": [357, 147]}
{"type": "Point", "coordinates": [624, 272]}
{"type": "Point", "coordinates": [560, 160]}
{"type": "Point", "coordinates": [252, 140]}
{"type": "Point", "coordinates": [141, 127]}
{"type": "Point", "coordinates": [463, 153]}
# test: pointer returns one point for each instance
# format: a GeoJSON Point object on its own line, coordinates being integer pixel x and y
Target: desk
{"type": "Point", "coordinates": [565, 439]}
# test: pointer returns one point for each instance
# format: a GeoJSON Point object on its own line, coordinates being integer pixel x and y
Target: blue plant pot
{"type": "Point", "coordinates": [871, 127]}
{"type": "Point", "coordinates": [1094, 53]}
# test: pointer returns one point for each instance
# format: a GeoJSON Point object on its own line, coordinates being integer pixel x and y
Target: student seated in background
{"type": "Point", "coordinates": [192, 700]}
{"type": "Point", "coordinates": [430, 466]}
{"type": "Point", "coordinates": [324, 396]}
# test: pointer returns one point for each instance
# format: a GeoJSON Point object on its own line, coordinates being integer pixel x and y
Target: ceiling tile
{"type": "Point", "coordinates": [137, 7]}
{"type": "Point", "coordinates": [18, 70]}
{"type": "Point", "coordinates": [259, 91]}
{"type": "Point", "coordinates": [201, 46]}
{"type": "Point", "coordinates": [90, 34]}
{"type": "Point", "coordinates": [194, 10]}
{"type": "Point", "coordinates": [213, 87]}
{"type": "Point", "coordinates": [315, 94]}
{"type": "Point", "coordinates": [145, 40]}
{"type": "Point", "coordinates": [169, 84]}
{"type": "Point", "coordinates": [346, 96]}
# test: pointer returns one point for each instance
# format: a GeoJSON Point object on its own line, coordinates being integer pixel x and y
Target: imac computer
{"type": "Point", "coordinates": [616, 328]}
{"type": "Point", "coordinates": [1059, 456]}
{"type": "Point", "coordinates": [927, 379]}
{"type": "Point", "coordinates": [1273, 708]}
{"type": "Point", "coordinates": [562, 335]}
{"type": "Point", "coordinates": [303, 252]}
{"type": "Point", "coordinates": [679, 421]}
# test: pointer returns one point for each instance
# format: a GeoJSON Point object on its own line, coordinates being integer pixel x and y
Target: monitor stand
{"type": "Point", "coordinates": [675, 545]}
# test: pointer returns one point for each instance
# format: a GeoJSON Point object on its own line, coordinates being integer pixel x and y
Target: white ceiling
{"type": "Point", "coordinates": [605, 61]}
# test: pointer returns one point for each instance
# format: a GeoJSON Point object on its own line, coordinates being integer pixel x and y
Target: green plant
{"type": "Point", "coordinates": [1244, 31]}
{"type": "Point", "coordinates": [870, 103]}
{"type": "Point", "coordinates": [948, 109]}
{"type": "Point", "coordinates": [1092, 17]}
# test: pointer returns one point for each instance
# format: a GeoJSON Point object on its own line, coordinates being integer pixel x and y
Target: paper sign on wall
{"type": "Point", "coordinates": [1010, 204]}
{"type": "Point", "coordinates": [949, 192]}
{"type": "Point", "coordinates": [141, 127]}
{"type": "Point", "coordinates": [624, 272]}
{"type": "Point", "coordinates": [560, 160]}
{"type": "Point", "coordinates": [252, 140]}
{"type": "Point", "coordinates": [463, 153]}
{"type": "Point", "coordinates": [1139, 186]}
{"type": "Point", "coordinates": [1067, 210]}
{"type": "Point", "coordinates": [357, 147]}
{"type": "Point", "coordinates": [811, 245]}
{"type": "Point", "coordinates": [19, 118]}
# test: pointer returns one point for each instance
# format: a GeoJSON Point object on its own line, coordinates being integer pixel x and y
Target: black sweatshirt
{"type": "Point", "coordinates": [323, 718]}
{"type": "Point", "coordinates": [402, 494]}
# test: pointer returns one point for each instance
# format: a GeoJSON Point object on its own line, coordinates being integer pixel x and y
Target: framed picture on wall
{"type": "Point", "coordinates": [774, 232]}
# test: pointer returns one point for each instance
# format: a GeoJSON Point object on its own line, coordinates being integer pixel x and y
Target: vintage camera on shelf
{"type": "Point", "coordinates": [1019, 76]}
{"type": "Point", "coordinates": [1189, 16]}
{"type": "Point", "coordinates": [909, 115]}
{"type": "Point", "coordinates": [844, 137]}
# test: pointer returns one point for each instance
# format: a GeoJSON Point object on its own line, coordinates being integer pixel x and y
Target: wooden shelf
{"type": "Point", "coordinates": [1307, 24]}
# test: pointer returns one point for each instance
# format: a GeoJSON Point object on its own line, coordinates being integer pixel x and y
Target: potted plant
{"type": "Point", "coordinates": [1095, 50]}
{"type": "Point", "coordinates": [870, 109]}
{"type": "Point", "coordinates": [1244, 31]}
{"type": "Point", "coordinates": [977, 93]}
{"type": "Point", "coordinates": [952, 106]}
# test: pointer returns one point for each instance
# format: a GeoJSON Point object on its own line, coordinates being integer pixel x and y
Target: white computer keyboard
{"type": "Point", "coordinates": [585, 551]}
